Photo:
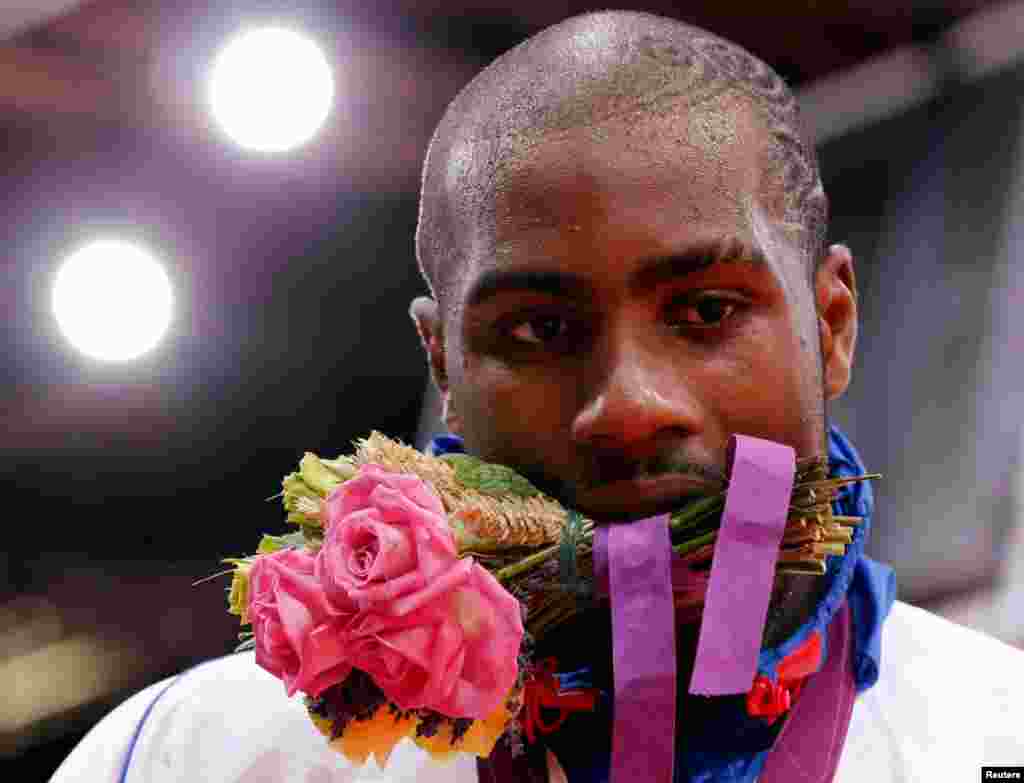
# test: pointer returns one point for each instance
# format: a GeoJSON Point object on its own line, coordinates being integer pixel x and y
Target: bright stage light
{"type": "Point", "coordinates": [112, 300]}
{"type": "Point", "coordinates": [271, 89]}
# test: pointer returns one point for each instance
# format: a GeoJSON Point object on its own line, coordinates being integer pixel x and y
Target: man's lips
{"type": "Point", "coordinates": [644, 496]}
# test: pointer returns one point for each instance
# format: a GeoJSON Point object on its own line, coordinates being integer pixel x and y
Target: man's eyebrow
{"type": "Point", "coordinates": [653, 272]}
{"type": "Point", "coordinates": [656, 270]}
{"type": "Point", "coordinates": [499, 281]}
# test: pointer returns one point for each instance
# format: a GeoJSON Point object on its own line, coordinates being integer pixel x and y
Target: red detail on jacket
{"type": "Point", "coordinates": [542, 689]}
{"type": "Point", "coordinates": [769, 700]}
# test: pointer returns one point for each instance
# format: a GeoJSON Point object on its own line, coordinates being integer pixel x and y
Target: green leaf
{"type": "Point", "coordinates": [316, 476]}
{"type": "Point", "coordinates": [343, 467]}
{"type": "Point", "coordinates": [488, 478]}
{"type": "Point", "coordinates": [296, 489]}
{"type": "Point", "coordinates": [313, 536]}
{"type": "Point", "coordinates": [238, 593]}
{"type": "Point", "coordinates": [239, 561]}
{"type": "Point", "coordinates": [567, 556]}
{"type": "Point", "coordinates": [270, 543]}
{"type": "Point", "coordinates": [248, 644]}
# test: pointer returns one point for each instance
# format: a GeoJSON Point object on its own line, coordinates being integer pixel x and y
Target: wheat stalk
{"type": "Point", "coordinates": [519, 537]}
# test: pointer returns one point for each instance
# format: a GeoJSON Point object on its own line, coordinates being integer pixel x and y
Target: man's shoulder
{"type": "Point", "coordinates": [915, 635]}
{"type": "Point", "coordinates": [167, 728]}
{"type": "Point", "coordinates": [943, 665]}
{"type": "Point", "coordinates": [948, 700]}
{"type": "Point", "coordinates": [233, 676]}
{"type": "Point", "coordinates": [228, 720]}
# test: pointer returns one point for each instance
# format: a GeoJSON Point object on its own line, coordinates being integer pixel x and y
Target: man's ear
{"type": "Point", "coordinates": [835, 293]}
{"type": "Point", "coordinates": [425, 315]}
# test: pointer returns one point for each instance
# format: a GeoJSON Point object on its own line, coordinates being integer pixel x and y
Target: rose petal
{"type": "Point", "coordinates": [437, 586]}
{"type": "Point", "coordinates": [336, 594]}
{"type": "Point", "coordinates": [420, 493]}
{"type": "Point", "coordinates": [490, 667]}
{"type": "Point", "coordinates": [394, 505]}
{"type": "Point", "coordinates": [400, 681]}
{"type": "Point", "coordinates": [396, 551]}
{"type": "Point", "coordinates": [273, 652]}
{"type": "Point", "coordinates": [325, 660]}
{"type": "Point", "coordinates": [308, 589]}
{"type": "Point", "coordinates": [350, 496]}
{"type": "Point", "coordinates": [416, 644]}
{"type": "Point", "coordinates": [373, 595]}
{"type": "Point", "coordinates": [449, 655]}
{"type": "Point", "coordinates": [372, 623]}
{"type": "Point", "coordinates": [469, 700]}
{"type": "Point", "coordinates": [296, 620]}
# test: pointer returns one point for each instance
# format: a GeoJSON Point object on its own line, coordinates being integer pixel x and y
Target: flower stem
{"type": "Point", "coordinates": [696, 512]}
{"type": "Point", "coordinates": [695, 543]}
{"type": "Point", "coordinates": [508, 572]}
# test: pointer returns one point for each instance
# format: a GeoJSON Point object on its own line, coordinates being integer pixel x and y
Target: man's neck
{"type": "Point", "coordinates": [585, 641]}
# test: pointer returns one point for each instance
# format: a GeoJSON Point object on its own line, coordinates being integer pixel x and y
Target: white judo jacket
{"type": "Point", "coordinates": [948, 701]}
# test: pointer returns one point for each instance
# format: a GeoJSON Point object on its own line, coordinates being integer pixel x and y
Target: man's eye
{"type": "Point", "coordinates": [540, 330]}
{"type": "Point", "coordinates": [707, 311]}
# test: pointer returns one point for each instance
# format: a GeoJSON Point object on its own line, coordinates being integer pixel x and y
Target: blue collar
{"type": "Point", "coordinates": [868, 586]}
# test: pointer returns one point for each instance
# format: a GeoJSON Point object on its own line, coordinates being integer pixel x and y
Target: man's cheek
{"type": "Point", "coordinates": [484, 398]}
{"type": "Point", "coordinates": [757, 392]}
{"type": "Point", "coordinates": [516, 421]}
{"type": "Point", "coordinates": [505, 384]}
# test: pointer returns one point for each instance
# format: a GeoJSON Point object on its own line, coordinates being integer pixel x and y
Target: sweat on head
{"type": "Point", "coordinates": [583, 73]}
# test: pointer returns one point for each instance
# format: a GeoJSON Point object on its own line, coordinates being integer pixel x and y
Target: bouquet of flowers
{"type": "Point", "coordinates": [408, 600]}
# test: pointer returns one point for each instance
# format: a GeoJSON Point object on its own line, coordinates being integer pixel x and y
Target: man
{"type": "Point", "coordinates": [623, 231]}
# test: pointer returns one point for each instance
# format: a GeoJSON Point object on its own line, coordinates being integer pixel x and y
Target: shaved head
{"type": "Point", "coordinates": [622, 226]}
{"type": "Point", "coordinates": [582, 74]}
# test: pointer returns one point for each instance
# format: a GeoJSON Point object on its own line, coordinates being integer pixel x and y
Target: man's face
{"type": "Point", "coordinates": [594, 340]}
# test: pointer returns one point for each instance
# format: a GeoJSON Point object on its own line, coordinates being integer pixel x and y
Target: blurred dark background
{"type": "Point", "coordinates": [126, 482]}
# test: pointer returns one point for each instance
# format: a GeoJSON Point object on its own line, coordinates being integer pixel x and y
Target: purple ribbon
{"type": "Point", "coordinates": [635, 566]}
{"type": "Point", "coordinates": [808, 749]}
{"type": "Point", "coordinates": [685, 580]}
{"type": "Point", "coordinates": [643, 648]}
{"type": "Point", "coordinates": [812, 739]}
{"type": "Point", "coordinates": [743, 566]}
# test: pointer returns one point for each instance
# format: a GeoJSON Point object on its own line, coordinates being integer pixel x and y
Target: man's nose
{"type": "Point", "coordinates": [633, 391]}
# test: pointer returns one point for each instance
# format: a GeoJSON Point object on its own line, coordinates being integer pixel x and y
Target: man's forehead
{"type": "Point", "coordinates": [703, 160]}
{"type": "Point", "coordinates": [700, 172]}
{"type": "Point", "coordinates": [692, 178]}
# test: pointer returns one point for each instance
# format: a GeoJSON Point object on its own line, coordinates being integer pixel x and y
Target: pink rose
{"type": "Point", "coordinates": [432, 630]}
{"type": "Point", "coordinates": [299, 634]}
{"type": "Point", "coordinates": [387, 546]}
{"type": "Point", "coordinates": [456, 654]}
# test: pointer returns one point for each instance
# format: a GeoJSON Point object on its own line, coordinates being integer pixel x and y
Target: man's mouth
{"type": "Point", "coordinates": [644, 496]}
